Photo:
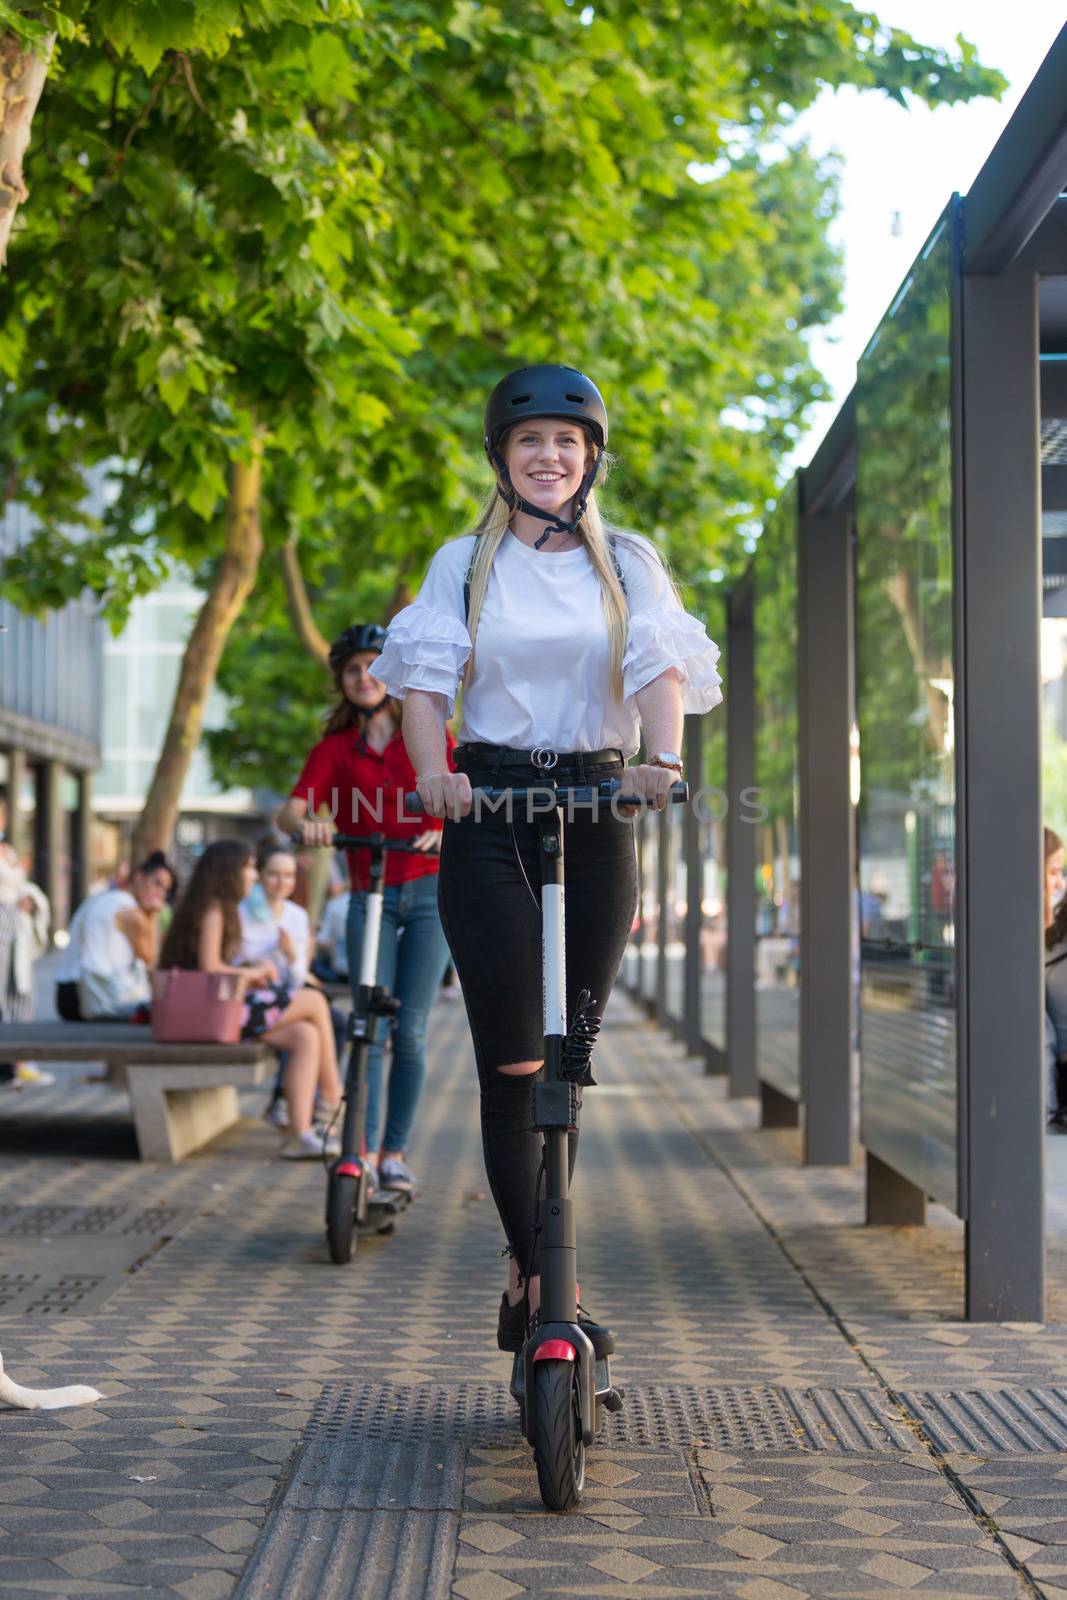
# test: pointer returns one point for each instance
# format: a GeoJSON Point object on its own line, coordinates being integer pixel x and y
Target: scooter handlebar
{"type": "Point", "coordinates": [368, 841]}
{"type": "Point", "coordinates": [580, 793]}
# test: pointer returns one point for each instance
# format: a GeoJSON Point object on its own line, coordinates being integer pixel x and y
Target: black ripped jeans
{"type": "Point", "coordinates": [489, 898]}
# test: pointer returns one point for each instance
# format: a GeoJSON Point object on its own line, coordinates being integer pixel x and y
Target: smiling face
{"type": "Point", "coordinates": [547, 460]}
{"type": "Point", "coordinates": [279, 876]}
{"type": "Point", "coordinates": [358, 684]}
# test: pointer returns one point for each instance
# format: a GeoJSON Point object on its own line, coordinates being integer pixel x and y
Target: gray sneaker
{"type": "Point", "coordinates": [395, 1174]}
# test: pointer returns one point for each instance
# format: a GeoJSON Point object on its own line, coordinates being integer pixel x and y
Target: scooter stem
{"type": "Point", "coordinates": [558, 1239]}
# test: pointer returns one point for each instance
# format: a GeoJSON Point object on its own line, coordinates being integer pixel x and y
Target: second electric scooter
{"type": "Point", "coordinates": [352, 1205]}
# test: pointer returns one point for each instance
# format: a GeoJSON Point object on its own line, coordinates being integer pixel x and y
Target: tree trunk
{"type": "Point", "coordinates": [230, 588]}
{"type": "Point", "coordinates": [300, 611]}
{"type": "Point", "coordinates": [22, 75]}
{"type": "Point", "coordinates": [400, 598]}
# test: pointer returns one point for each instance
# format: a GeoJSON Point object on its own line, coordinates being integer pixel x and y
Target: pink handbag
{"type": "Point", "coordinates": [196, 1007]}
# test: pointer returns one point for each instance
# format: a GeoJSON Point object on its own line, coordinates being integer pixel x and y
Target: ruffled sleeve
{"type": "Point", "coordinates": [427, 644]}
{"type": "Point", "coordinates": [662, 635]}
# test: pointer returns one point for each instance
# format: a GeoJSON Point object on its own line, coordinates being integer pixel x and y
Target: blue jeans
{"type": "Point", "coordinates": [412, 956]}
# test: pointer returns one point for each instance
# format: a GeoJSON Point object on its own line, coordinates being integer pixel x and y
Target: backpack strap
{"type": "Point", "coordinates": [612, 541]}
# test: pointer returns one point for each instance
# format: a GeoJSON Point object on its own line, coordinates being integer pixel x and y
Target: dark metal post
{"type": "Point", "coordinates": [741, 845]}
{"type": "Point", "coordinates": [16, 777]}
{"type": "Point", "coordinates": [83, 840]}
{"type": "Point", "coordinates": [694, 883]}
{"type": "Point", "coordinates": [827, 866]}
{"type": "Point", "coordinates": [52, 850]}
{"type": "Point", "coordinates": [998, 719]}
{"type": "Point", "coordinates": [663, 881]}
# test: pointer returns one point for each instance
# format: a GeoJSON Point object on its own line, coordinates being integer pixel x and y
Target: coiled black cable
{"type": "Point", "coordinates": [579, 1042]}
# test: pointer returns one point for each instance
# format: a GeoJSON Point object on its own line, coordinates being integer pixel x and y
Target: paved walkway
{"type": "Point", "coordinates": [806, 1414]}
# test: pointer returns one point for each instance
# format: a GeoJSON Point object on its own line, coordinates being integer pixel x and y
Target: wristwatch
{"type": "Point", "coordinates": [667, 758]}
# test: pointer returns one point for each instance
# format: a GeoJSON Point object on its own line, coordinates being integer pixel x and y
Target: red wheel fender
{"type": "Point", "coordinates": [555, 1350]}
{"type": "Point", "coordinates": [347, 1169]}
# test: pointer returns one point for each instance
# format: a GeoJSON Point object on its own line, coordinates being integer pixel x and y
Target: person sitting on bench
{"type": "Point", "coordinates": [103, 974]}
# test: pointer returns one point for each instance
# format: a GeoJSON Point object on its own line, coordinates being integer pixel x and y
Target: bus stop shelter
{"type": "Point", "coordinates": [849, 923]}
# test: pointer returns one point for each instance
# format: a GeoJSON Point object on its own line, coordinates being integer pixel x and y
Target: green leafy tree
{"type": "Point", "coordinates": [265, 284]}
{"type": "Point", "coordinates": [212, 328]}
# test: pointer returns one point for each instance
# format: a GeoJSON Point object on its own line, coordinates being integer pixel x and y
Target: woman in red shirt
{"type": "Point", "coordinates": [359, 771]}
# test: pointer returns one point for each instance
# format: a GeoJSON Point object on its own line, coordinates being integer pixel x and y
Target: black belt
{"type": "Point", "coordinates": [542, 760]}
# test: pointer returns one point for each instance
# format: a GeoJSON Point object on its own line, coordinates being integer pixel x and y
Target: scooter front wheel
{"type": "Point", "coordinates": [342, 1196]}
{"type": "Point", "coordinates": [559, 1453]}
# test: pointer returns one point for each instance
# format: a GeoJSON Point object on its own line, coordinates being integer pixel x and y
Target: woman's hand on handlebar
{"type": "Point", "coordinates": [445, 794]}
{"type": "Point", "coordinates": [653, 784]}
{"type": "Point", "coordinates": [430, 841]}
{"type": "Point", "coordinates": [316, 830]}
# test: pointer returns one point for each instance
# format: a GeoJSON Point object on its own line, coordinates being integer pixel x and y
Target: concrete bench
{"type": "Point", "coordinates": [181, 1095]}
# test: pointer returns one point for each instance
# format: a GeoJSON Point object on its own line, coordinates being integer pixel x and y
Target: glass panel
{"type": "Point", "coordinates": [906, 769]}
{"type": "Point", "coordinates": [111, 779]}
{"type": "Point", "coordinates": [165, 620]}
{"type": "Point", "coordinates": [155, 679]}
{"type": "Point", "coordinates": [116, 720]}
{"type": "Point", "coordinates": [713, 902]}
{"type": "Point", "coordinates": [777, 853]}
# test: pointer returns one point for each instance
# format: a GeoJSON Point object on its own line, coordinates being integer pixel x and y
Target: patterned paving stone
{"type": "Point", "coordinates": [216, 1464]}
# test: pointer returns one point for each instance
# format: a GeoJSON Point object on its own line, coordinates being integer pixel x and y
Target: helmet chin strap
{"type": "Point", "coordinates": [511, 497]}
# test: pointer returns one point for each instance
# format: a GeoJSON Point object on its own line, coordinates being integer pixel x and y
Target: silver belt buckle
{"type": "Point", "coordinates": [543, 760]}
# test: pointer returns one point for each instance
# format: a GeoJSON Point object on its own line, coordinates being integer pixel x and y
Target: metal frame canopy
{"type": "Point", "coordinates": [1008, 232]}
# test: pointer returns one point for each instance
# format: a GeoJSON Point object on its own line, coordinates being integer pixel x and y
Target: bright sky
{"type": "Point", "coordinates": [900, 167]}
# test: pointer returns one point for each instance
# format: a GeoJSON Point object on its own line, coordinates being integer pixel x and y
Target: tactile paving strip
{"type": "Point", "coordinates": [770, 1418]}
{"type": "Point", "coordinates": [58, 1222]}
{"type": "Point", "coordinates": [66, 1260]}
{"type": "Point", "coordinates": [992, 1422]}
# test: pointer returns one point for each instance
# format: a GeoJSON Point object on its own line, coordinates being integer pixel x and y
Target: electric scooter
{"type": "Point", "coordinates": [561, 1388]}
{"type": "Point", "coordinates": [352, 1207]}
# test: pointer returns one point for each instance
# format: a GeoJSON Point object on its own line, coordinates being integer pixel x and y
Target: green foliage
{"type": "Point", "coordinates": [333, 227]}
{"type": "Point", "coordinates": [1053, 773]}
{"type": "Point", "coordinates": [775, 632]}
{"type": "Point", "coordinates": [904, 555]}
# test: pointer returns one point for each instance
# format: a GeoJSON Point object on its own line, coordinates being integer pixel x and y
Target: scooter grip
{"type": "Point", "coordinates": [413, 803]}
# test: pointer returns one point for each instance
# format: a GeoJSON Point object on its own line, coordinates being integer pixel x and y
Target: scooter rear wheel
{"type": "Point", "coordinates": [342, 1195]}
{"type": "Point", "coordinates": [559, 1453]}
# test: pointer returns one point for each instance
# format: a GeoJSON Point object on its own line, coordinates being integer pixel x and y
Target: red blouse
{"type": "Point", "coordinates": [364, 793]}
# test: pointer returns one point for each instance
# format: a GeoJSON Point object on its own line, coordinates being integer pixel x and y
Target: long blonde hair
{"type": "Point", "coordinates": [593, 531]}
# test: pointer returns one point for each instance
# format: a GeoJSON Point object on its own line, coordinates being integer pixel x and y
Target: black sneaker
{"type": "Point", "coordinates": [603, 1340]}
{"type": "Point", "coordinates": [511, 1325]}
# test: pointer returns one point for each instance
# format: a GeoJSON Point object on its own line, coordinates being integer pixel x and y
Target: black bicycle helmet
{"type": "Point", "coordinates": [545, 391]}
{"type": "Point", "coordinates": [360, 636]}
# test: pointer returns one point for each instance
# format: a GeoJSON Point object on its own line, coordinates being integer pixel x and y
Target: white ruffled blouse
{"type": "Point", "coordinates": [541, 671]}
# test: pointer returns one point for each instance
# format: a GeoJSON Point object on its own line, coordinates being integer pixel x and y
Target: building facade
{"type": "Point", "coordinates": [50, 709]}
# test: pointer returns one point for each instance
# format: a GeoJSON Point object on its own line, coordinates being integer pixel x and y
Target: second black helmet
{"type": "Point", "coordinates": [360, 636]}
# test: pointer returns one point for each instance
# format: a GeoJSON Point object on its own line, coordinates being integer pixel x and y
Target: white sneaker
{"type": "Point", "coordinates": [30, 1072]}
{"type": "Point", "coordinates": [309, 1146]}
{"type": "Point", "coordinates": [277, 1113]}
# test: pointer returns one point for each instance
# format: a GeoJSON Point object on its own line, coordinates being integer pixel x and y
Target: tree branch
{"type": "Point", "coordinates": [187, 68]}
{"type": "Point", "coordinates": [300, 605]}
